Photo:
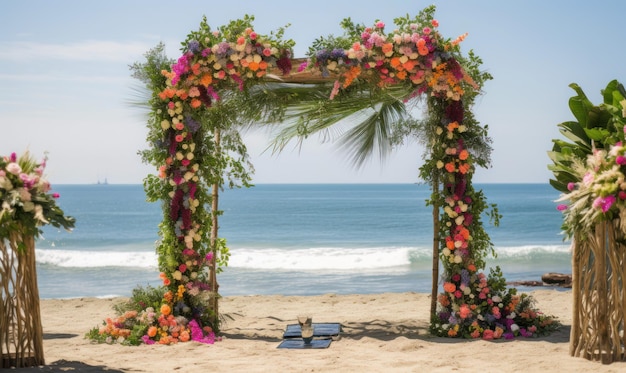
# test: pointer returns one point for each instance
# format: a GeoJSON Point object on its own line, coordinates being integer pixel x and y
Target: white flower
{"type": "Point", "coordinates": [514, 327]}
{"type": "Point", "coordinates": [39, 214]}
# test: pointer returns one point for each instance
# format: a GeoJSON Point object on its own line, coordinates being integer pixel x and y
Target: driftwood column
{"type": "Point", "coordinates": [21, 334]}
{"type": "Point", "coordinates": [599, 273]}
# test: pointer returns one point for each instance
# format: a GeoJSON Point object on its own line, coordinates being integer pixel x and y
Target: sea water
{"type": "Point", "coordinates": [294, 239]}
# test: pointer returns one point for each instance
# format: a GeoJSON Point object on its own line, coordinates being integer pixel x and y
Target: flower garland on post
{"type": "Point", "coordinates": [194, 147]}
{"type": "Point", "coordinates": [213, 62]}
{"type": "Point", "coordinates": [417, 58]}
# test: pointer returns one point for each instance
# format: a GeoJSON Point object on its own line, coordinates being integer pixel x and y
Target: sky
{"type": "Point", "coordinates": [65, 85]}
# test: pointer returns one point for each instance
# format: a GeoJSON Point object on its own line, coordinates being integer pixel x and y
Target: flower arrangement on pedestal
{"type": "Point", "coordinates": [26, 202]}
{"type": "Point", "coordinates": [590, 170]}
{"type": "Point", "coordinates": [26, 205]}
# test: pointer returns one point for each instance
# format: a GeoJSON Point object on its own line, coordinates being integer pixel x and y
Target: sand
{"type": "Point", "coordinates": [381, 333]}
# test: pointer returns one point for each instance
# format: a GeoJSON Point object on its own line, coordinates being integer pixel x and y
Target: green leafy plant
{"type": "Point", "coordinates": [589, 165]}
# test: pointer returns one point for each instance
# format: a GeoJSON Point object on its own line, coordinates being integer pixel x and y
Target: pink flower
{"type": "Point", "coordinates": [56, 195]}
{"type": "Point", "coordinates": [182, 268]}
{"type": "Point", "coordinates": [588, 178]}
{"type": "Point", "coordinates": [620, 160]}
{"type": "Point", "coordinates": [435, 23]}
{"type": "Point", "coordinates": [426, 30]}
{"type": "Point", "coordinates": [571, 186]}
{"type": "Point", "coordinates": [380, 24]}
{"type": "Point", "coordinates": [464, 311]}
{"type": "Point", "coordinates": [488, 334]}
{"type": "Point", "coordinates": [561, 207]}
{"type": "Point", "coordinates": [604, 203]}
{"type": "Point", "coordinates": [253, 35]}
{"type": "Point", "coordinates": [14, 168]}
{"type": "Point", "coordinates": [622, 195]}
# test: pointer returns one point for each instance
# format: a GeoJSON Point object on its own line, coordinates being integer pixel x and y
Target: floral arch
{"type": "Point", "coordinates": [233, 75]}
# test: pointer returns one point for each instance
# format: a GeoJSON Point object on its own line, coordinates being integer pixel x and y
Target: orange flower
{"type": "Point", "coordinates": [450, 167]}
{"type": "Point", "coordinates": [165, 309]}
{"type": "Point", "coordinates": [471, 267]}
{"type": "Point", "coordinates": [395, 62]}
{"type": "Point", "coordinates": [449, 287]}
{"type": "Point", "coordinates": [450, 244]}
{"type": "Point", "coordinates": [387, 48]}
{"type": "Point", "coordinates": [195, 103]}
{"type": "Point", "coordinates": [452, 126]}
{"type": "Point", "coordinates": [206, 80]}
{"type": "Point", "coordinates": [464, 168]}
{"type": "Point", "coordinates": [409, 65]}
{"type": "Point", "coordinates": [152, 331]}
{"type": "Point", "coordinates": [254, 66]}
{"type": "Point", "coordinates": [182, 94]}
{"type": "Point", "coordinates": [263, 65]}
{"type": "Point", "coordinates": [184, 336]}
{"type": "Point", "coordinates": [195, 68]}
{"type": "Point", "coordinates": [452, 333]}
{"type": "Point", "coordinates": [401, 75]}
{"type": "Point", "coordinates": [463, 154]}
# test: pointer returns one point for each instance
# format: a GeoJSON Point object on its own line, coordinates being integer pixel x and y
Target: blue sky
{"type": "Point", "coordinates": [65, 83]}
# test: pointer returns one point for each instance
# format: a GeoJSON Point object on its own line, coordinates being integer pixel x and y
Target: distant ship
{"type": "Point", "coordinates": [103, 183]}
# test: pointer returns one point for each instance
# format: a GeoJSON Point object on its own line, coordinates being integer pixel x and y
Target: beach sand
{"type": "Point", "coordinates": [381, 333]}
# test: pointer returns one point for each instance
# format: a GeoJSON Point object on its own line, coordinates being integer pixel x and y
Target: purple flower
{"type": "Point", "coordinates": [193, 46]}
{"type": "Point", "coordinates": [192, 124]}
{"type": "Point", "coordinates": [337, 53]}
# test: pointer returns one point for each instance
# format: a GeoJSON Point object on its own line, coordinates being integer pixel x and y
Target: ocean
{"type": "Point", "coordinates": [293, 239]}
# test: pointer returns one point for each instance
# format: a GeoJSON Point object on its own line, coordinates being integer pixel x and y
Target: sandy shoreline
{"type": "Point", "coordinates": [381, 332]}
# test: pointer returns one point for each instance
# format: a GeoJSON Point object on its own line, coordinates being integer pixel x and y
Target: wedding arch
{"type": "Point", "coordinates": [233, 76]}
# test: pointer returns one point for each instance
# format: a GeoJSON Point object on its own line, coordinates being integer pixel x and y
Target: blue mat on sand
{"type": "Point", "coordinates": [299, 344]}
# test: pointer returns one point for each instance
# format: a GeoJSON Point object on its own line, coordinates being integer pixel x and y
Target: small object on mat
{"type": "Point", "coordinates": [299, 344]}
{"type": "Point", "coordinates": [320, 330]}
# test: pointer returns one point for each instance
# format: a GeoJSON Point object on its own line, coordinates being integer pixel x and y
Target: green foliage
{"type": "Point", "coordinates": [595, 127]}
{"type": "Point", "coordinates": [141, 299]}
